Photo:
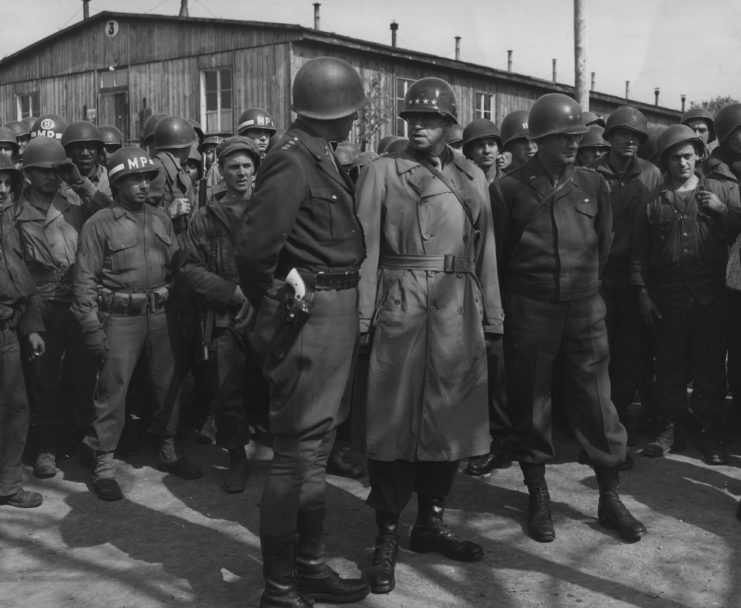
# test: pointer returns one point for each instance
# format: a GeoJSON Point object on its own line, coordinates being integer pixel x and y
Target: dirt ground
{"type": "Point", "coordinates": [186, 543]}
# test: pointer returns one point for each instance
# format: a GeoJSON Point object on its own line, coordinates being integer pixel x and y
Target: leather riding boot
{"type": "Point", "coordinates": [430, 534]}
{"type": "Point", "coordinates": [381, 573]}
{"type": "Point", "coordinates": [611, 512]}
{"type": "Point", "coordinates": [316, 580]}
{"type": "Point", "coordinates": [539, 522]}
{"type": "Point", "coordinates": [278, 567]}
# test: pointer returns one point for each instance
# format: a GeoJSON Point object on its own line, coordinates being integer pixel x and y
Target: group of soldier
{"type": "Point", "coordinates": [496, 280]}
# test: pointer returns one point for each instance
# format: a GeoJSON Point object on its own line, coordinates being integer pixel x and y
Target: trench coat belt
{"type": "Point", "coordinates": [439, 263]}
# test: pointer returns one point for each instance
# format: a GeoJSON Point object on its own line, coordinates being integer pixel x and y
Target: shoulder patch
{"type": "Point", "coordinates": [289, 143]}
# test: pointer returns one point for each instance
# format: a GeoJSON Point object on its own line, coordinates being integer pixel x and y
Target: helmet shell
{"type": "Point", "coordinates": [44, 153]}
{"type": "Point", "coordinates": [700, 114]}
{"type": "Point", "coordinates": [674, 135]}
{"type": "Point", "coordinates": [173, 132]}
{"type": "Point", "coordinates": [7, 164]}
{"type": "Point", "coordinates": [130, 161]}
{"type": "Point", "coordinates": [255, 118]}
{"type": "Point", "coordinates": [48, 125]}
{"type": "Point", "coordinates": [327, 88]}
{"type": "Point", "coordinates": [111, 136]}
{"type": "Point", "coordinates": [592, 118]}
{"type": "Point", "coordinates": [80, 131]}
{"type": "Point", "coordinates": [481, 128]}
{"type": "Point", "coordinates": [148, 129]}
{"type": "Point", "coordinates": [7, 136]}
{"type": "Point", "coordinates": [431, 96]}
{"type": "Point", "coordinates": [515, 126]}
{"type": "Point", "coordinates": [628, 118]}
{"type": "Point", "coordinates": [593, 138]}
{"type": "Point", "coordinates": [727, 120]}
{"type": "Point", "coordinates": [20, 129]}
{"type": "Point", "coordinates": [555, 114]}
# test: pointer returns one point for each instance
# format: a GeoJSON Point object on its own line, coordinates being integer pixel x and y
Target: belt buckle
{"type": "Point", "coordinates": [152, 301]}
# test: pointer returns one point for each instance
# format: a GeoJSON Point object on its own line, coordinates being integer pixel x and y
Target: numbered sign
{"type": "Point", "coordinates": [111, 28]}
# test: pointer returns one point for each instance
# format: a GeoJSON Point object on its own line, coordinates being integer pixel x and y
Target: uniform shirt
{"type": "Point", "coordinates": [554, 241]}
{"type": "Point", "coordinates": [172, 182]}
{"type": "Point", "coordinates": [680, 252]}
{"type": "Point", "coordinates": [17, 291]}
{"type": "Point", "coordinates": [49, 241]}
{"type": "Point", "coordinates": [628, 190]}
{"type": "Point", "coordinates": [122, 250]}
{"type": "Point", "coordinates": [302, 214]}
{"type": "Point", "coordinates": [94, 192]}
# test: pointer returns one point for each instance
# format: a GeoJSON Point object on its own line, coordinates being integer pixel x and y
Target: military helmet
{"type": "Point", "coordinates": [130, 161]}
{"type": "Point", "coordinates": [431, 96]}
{"type": "Point", "coordinates": [80, 131]}
{"type": "Point", "coordinates": [19, 129]}
{"type": "Point", "coordinates": [48, 125]}
{"type": "Point", "coordinates": [648, 149]}
{"type": "Point", "coordinates": [255, 118]}
{"type": "Point", "coordinates": [327, 88]}
{"type": "Point", "coordinates": [197, 128]}
{"type": "Point", "coordinates": [148, 129]}
{"type": "Point", "coordinates": [44, 153]}
{"type": "Point", "coordinates": [700, 114]}
{"type": "Point", "coordinates": [173, 132]}
{"type": "Point", "coordinates": [593, 138]}
{"type": "Point", "coordinates": [454, 135]}
{"type": "Point", "coordinates": [194, 156]}
{"type": "Point", "coordinates": [481, 128]}
{"type": "Point", "coordinates": [727, 120]}
{"type": "Point", "coordinates": [7, 136]}
{"type": "Point", "coordinates": [674, 135]}
{"type": "Point", "coordinates": [592, 118]}
{"type": "Point", "coordinates": [515, 126]}
{"type": "Point", "coordinates": [29, 121]}
{"type": "Point", "coordinates": [555, 114]}
{"type": "Point", "coordinates": [628, 118]}
{"type": "Point", "coordinates": [111, 136]}
{"type": "Point", "coordinates": [212, 139]}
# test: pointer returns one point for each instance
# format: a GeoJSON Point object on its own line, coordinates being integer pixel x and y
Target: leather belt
{"type": "Point", "coordinates": [346, 279]}
{"type": "Point", "coordinates": [436, 263]}
{"type": "Point", "coordinates": [130, 304]}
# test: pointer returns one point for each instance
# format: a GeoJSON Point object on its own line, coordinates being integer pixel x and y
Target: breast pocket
{"type": "Point", "coordinates": [587, 208]}
{"type": "Point", "coordinates": [331, 215]}
{"type": "Point", "coordinates": [123, 253]}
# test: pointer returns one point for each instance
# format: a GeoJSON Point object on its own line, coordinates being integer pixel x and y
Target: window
{"type": "Point", "coordinates": [216, 100]}
{"type": "Point", "coordinates": [114, 78]}
{"type": "Point", "coordinates": [402, 86]}
{"type": "Point", "coordinates": [484, 105]}
{"type": "Point", "coordinates": [27, 104]}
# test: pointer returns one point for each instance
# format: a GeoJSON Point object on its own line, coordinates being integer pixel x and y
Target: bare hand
{"type": "Point", "coordinates": [38, 347]}
{"type": "Point", "coordinates": [649, 311]}
{"type": "Point", "coordinates": [709, 201]}
{"type": "Point", "coordinates": [180, 206]}
{"type": "Point", "coordinates": [70, 173]}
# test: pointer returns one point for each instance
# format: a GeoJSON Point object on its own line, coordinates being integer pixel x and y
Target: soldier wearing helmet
{"type": "Point", "coordinates": [173, 189]}
{"type": "Point", "coordinates": [21, 327]}
{"type": "Point", "coordinates": [48, 218]}
{"type": "Point", "coordinates": [122, 284]}
{"type": "Point", "coordinates": [257, 125]}
{"type": "Point", "coordinates": [83, 143]}
{"type": "Point", "coordinates": [517, 146]}
{"type": "Point", "coordinates": [112, 140]}
{"type": "Point", "coordinates": [454, 136]}
{"type": "Point", "coordinates": [724, 164]}
{"type": "Point", "coordinates": [299, 250]}
{"type": "Point", "coordinates": [701, 122]}
{"type": "Point", "coordinates": [147, 134]}
{"type": "Point", "coordinates": [427, 222]}
{"type": "Point", "coordinates": [22, 134]}
{"type": "Point", "coordinates": [207, 269]}
{"type": "Point", "coordinates": [48, 125]}
{"type": "Point", "coordinates": [554, 222]}
{"type": "Point", "coordinates": [482, 144]}
{"type": "Point", "coordinates": [631, 179]}
{"type": "Point", "coordinates": [592, 146]}
{"type": "Point", "coordinates": [679, 259]}
{"type": "Point", "coordinates": [9, 144]}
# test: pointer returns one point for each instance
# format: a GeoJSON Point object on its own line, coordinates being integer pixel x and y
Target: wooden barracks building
{"type": "Point", "coordinates": [119, 68]}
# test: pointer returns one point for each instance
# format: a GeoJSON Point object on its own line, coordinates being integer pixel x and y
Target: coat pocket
{"type": "Point", "coordinates": [123, 254]}
{"type": "Point", "coordinates": [332, 217]}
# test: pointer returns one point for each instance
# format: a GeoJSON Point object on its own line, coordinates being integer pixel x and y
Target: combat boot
{"type": "Point", "coordinates": [278, 568]}
{"type": "Point", "coordinates": [430, 534]}
{"type": "Point", "coordinates": [315, 579]}
{"type": "Point", "coordinates": [539, 521]}
{"type": "Point", "coordinates": [381, 573]}
{"type": "Point", "coordinates": [235, 480]}
{"type": "Point", "coordinates": [611, 512]}
{"type": "Point", "coordinates": [711, 447]}
{"type": "Point", "coordinates": [671, 439]}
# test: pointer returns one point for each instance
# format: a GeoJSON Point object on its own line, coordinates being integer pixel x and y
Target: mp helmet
{"type": "Point", "coordinates": [255, 118]}
{"type": "Point", "coordinates": [327, 88]}
{"type": "Point", "coordinates": [130, 161]}
{"type": "Point", "coordinates": [555, 114]}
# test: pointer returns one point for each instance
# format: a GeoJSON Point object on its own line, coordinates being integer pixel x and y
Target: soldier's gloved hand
{"type": "Point", "coordinates": [96, 344]}
{"type": "Point", "coordinates": [180, 206]}
{"type": "Point", "coordinates": [70, 173]}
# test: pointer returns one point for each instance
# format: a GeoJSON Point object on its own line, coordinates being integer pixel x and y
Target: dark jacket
{"type": "Point", "coordinates": [628, 191]}
{"type": "Point", "coordinates": [302, 214]}
{"type": "Point", "coordinates": [553, 241]}
{"type": "Point", "coordinates": [679, 251]}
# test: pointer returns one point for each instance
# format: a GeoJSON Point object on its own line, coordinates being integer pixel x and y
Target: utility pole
{"type": "Point", "coordinates": [580, 56]}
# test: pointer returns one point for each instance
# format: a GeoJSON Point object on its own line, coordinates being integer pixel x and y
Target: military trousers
{"type": "Point", "coordinates": [536, 333]}
{"type": "Point", "coordinates": [154, 336]}
{"type": "Point", "coordinates": [690, 343]}
{"type": "Point", "coordinates": [14, 413]}
{"type": "Point", "coordinates": [392, 483]}
{"type": "Point", "coordinates": [308, 388]}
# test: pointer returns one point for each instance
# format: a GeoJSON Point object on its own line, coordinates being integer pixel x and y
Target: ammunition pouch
{"type": "Point", "coordinates": [132, 303]}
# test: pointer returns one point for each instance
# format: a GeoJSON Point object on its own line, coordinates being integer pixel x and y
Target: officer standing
{"type": "Point", "coordinates": [429, 293]}
{"type": "Point", "coordinates": [300, 250]}
{"type": "Point", "coordinates": [208, 269]}
{"type": "Point", "coordinates": [554, 223]}
{"type": "Point", "coordinates": [19, 316]}
{"type": "Point", "coordinates": [121, 288]}
{"type": "Point", "coordinates": [49, 218]}
{"type": "Point", "coordinates": [83, 143]}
